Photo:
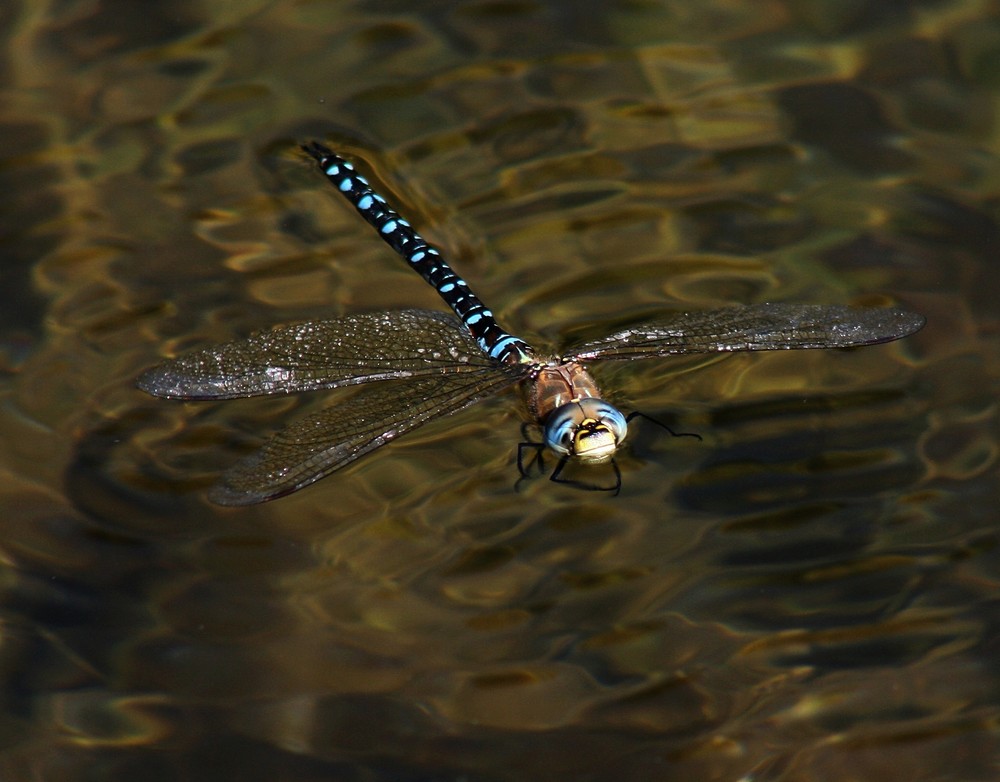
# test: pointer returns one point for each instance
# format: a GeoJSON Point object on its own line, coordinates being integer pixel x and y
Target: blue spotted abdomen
{"type": "Point", "coordinates": [424, 258]}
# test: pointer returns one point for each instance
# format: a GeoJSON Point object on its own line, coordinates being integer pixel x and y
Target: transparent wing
{"type": "Point", "coordinates": [321, 354]}
{"type": "Point", "coordinates": [321, 443]}
{"type": "Point", "coordinates": [756, 327]}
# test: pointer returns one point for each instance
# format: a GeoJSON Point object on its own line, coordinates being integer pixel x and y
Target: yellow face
{"type": "Point", "coordinates": [594, 442]}
{"type": "Point", "coordinates": [589, 430]}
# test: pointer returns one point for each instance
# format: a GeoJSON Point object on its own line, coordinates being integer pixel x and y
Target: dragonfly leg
{"type": "Point", "coordinates": [557, 473]}
{"type": "Point", "coordinates": [527, 444]}
{"type": "Point", "coordinates": [659, 423]}
{"type": "Point", "coordinates": [523, 466]}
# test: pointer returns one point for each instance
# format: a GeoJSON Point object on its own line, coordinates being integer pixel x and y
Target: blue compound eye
{"type": "Point", "coordinates": [561, 427]}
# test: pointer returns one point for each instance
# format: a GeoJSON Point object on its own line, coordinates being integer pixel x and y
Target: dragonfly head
{"type": "Point", "coordinates": [589, 430]}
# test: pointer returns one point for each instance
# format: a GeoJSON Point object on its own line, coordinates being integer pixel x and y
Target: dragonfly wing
{"type": "Point", "coordinates": [321, 443]}
{"type": "Point", "coordinates": [755, 327]}
{"type": "Point", "coordinates": [321, 354]}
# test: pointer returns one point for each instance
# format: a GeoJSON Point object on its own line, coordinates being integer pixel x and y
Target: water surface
{"type": "Point", "coordinates": [807, 594]}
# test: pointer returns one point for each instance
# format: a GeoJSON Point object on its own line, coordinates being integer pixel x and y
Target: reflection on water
{"type": "Point", "coordinates": [809, 593]}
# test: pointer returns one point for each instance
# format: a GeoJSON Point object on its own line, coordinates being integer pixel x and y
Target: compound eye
{"type": "Point", "coordinates": [560, 430]}
{"type": "Point", "coordinates": [608, 415]}
{"type": "Point", "coordinates": [563, 434]}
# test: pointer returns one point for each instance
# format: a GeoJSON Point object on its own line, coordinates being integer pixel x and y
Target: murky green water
{"type": "Point", "coordinates": [810, 593]}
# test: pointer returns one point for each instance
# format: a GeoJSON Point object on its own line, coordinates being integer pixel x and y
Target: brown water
{"type": "Point", "coordinates": [811, 593]}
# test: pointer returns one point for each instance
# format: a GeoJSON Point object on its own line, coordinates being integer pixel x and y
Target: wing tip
{"type": "Point", "coordinates": [157, 381]}
{"type": "Point", "coordinates": [162, 383]}
{"type": "Point", "coordinates": [229, 494]}
{"type": "Point", "coordinates": [228, 497]}
{"type": "Point", "coordinates": [252, 481]}
{"type": "Point", "coordinates": [912, 322]}
{"type": "Point", "coordinates": [896, 324]}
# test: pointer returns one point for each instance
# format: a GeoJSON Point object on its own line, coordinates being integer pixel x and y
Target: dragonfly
{"type": "Point", "coordinates": [415, 366]}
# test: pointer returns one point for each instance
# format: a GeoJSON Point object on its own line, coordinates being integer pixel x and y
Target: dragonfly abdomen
{"type": "Point", "coordinates": [423, 257]}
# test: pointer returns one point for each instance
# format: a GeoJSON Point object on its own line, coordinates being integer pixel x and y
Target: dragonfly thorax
{"type": "Point", "coordinates": [589, 430]}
